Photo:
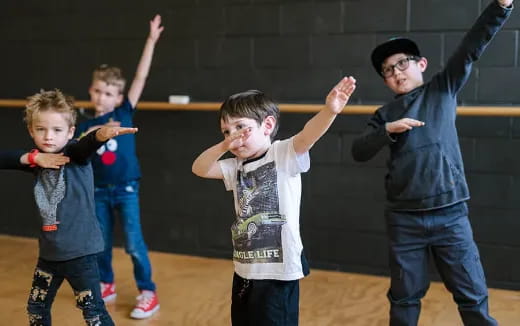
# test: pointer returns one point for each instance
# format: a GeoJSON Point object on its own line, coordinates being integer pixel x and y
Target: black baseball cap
{"type": "Point", "coordinates": [391, 47]}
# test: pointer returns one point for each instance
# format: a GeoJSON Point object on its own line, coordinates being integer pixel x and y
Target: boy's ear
{"type": "Point", "coordinates": [269, 124]}
{"type": "Point", "coordinates": [71, 132]}
{"type": "Point", "coordinates": [422, 63]}
{"type": "Point", "coordinates": [29, 129]}
{"type": "Point", "coordinates": [120, 99]}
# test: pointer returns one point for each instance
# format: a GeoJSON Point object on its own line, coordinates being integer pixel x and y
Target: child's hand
{"type": "Point", "coordinates": [505, 3]}
{"type": "Point", "coordinates": [106, 132]}
{"type": "Point", "coordinates": [402, 125]}
{"type": "Point", "coordinates": [155, 28]}
{"type": "Point", "coordinates": [237, 139]}
{"type": "Point", "coordinates": [51, 160]}
{"type": "Point", "coordinates": [340, 94]}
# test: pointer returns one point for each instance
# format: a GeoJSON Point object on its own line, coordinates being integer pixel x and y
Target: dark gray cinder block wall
{"type": "Point", "coordinates": [295, 51]}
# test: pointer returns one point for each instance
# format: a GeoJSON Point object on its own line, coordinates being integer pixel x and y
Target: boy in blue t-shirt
{"type": "Point", "coordinates": [117, 174]}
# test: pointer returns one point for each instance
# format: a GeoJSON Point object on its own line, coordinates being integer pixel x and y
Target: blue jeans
{"type": "Point", "coordinates": [445, 235]}
{"type": "Point", "coordinates": [83, 276]}
{"type": "Point", "coordinates": [124, 199]}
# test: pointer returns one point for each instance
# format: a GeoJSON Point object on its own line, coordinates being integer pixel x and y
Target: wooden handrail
{"type": "Point", "coordinates": [497, 111]}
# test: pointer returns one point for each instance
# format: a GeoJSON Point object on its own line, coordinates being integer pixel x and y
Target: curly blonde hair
{"type": "Point", "coordinates": [53, 100]}
{"type": "Point", "coordinates": [110, 75]}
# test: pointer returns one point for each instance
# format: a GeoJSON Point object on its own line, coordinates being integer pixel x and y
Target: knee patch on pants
{"type": "Point", "coordinates": [84, 299]}
{"type": "Point", "coordinates": [36, 304]}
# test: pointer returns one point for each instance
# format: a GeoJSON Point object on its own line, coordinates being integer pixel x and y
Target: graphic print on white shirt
{"type": "Point", "coordinates": [257, 230]}
{"type": "Point", "coordinates": [266, 229]}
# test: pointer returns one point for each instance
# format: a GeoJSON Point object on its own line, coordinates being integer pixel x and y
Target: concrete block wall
{"type": "Point", "coordinates": [294, 50]}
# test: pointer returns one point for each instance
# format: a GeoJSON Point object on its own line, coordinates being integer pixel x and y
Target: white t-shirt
{"type": "Point", "coordinates": [266, 232]}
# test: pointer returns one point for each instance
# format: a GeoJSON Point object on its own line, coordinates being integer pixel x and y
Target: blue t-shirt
{"type": "Point", "coordinates": [116, 161]}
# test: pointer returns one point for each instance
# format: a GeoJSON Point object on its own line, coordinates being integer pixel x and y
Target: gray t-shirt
{"type": "Point", "coordinates": [65, 201]}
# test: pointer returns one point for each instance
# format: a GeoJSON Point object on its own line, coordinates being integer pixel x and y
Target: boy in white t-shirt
{"type": "Point", "coordinates": [266, 184]}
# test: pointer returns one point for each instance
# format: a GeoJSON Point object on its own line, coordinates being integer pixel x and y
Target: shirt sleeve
{"type": "Point", "coordinates": [287, 160]}
{"type": "Point", "coordinates": [126, 106]}
{"type": "Point", "coordinates": [229, 171]}
{"type": "Point", "coordinates": [11, 160]}
{"type": "Point", "coordinates": [81, 151]}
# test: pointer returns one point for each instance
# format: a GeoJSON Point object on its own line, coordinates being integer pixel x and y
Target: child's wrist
{"type": "Point", "coordinates": [31, 158]}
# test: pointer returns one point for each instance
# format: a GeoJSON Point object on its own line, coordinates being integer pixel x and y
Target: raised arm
{"type": "Point", "coordinates": [490, 21]}
{"type": "Point", "coordinates": [136, 89]}
{"type": "Point", "coordinates": [320, 123]}
{"type": "Point", "coordinates": [206, 164]}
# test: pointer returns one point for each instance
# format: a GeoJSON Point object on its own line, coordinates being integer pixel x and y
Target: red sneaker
{"type": "Point", "coordinates": [147, 305]}
{"type": "Point", "coordinates": [108, 291]}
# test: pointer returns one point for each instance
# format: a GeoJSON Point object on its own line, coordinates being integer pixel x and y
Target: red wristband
{"type": "Point", "coordinates": [31, 157]}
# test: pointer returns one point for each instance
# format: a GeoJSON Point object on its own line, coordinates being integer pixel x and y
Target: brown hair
{"type": "Point", "coordinates": [110, 75]}
{"type": "Point", "coordinates": [250, 104]}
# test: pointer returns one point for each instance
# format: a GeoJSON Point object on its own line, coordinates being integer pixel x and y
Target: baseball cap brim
{"type": "Point", "coordinates": [391, 47]}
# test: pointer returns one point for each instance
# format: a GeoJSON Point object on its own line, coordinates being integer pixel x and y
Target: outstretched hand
{"type": "Point", "coordinates": [155, 28]}
{"type": "Point", "coordinates": [340, 94]}
{"type": "Point", "coordinates": [51, 160]}
{"type": "Point", "coordinates": [402, 125]}
{"type": "Point", "coordinates": [106, 132]}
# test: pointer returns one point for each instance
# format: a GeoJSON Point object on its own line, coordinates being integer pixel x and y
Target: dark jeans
{"type": "Point", "coordinates": [264, 302]}
{"type": "Point", "coordinates": [82, 275]}
{"type": "Point", "coordinates": [445, 235]}
{"type": "Point", "coordinates": [124, 199]}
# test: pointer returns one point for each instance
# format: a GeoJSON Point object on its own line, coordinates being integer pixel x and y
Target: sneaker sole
{"type": "Point", "coordinates": [143, 315]}
{"type": "Point", "coordinates": [110, 298]}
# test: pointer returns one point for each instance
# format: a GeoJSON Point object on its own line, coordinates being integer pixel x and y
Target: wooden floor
{"type": "Point", "coordinates": [196, 291]}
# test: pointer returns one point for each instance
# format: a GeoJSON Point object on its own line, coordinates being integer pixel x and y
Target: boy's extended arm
{"type": "Point", "coordinates": [81, 151]}
{"type": "Point", "coordinates": [372, 140]}
{"type": "Point", "coordinates": [21, 160]}
{"type": "Point", "coordinates": [320, 123]}
{"type": "Point", "coordinates": [474, 43]}
{"type": "Point", "coordinates": [13, 159]}
{"type": "Point", "coordinates": [136, 89]}
{"type": "Point", "coordinates": [206, 164]}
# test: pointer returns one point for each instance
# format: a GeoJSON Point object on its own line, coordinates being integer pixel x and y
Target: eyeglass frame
{"type": "Point", "coordinates": [405, 61]}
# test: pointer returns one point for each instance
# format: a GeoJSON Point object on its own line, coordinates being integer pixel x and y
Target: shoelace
{"type": "Point", "coordinates": [144, 300]}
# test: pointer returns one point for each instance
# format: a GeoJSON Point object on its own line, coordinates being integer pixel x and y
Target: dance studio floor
{"type": "Point", "coordinates": [196, 291]}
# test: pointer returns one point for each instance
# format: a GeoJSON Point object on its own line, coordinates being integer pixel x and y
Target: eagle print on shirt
{"type": "Point", "coordinates": [257, 230]}
{"type": "Point", "coordinates": [49, 191]}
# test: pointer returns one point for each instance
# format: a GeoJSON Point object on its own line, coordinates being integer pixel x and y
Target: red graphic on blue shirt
{"type": "Point", "coordinates": [107, 152]}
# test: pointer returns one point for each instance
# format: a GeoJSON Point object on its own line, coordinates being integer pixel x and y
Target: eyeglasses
{"type": "Point", "coordinates": [402, 65]}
